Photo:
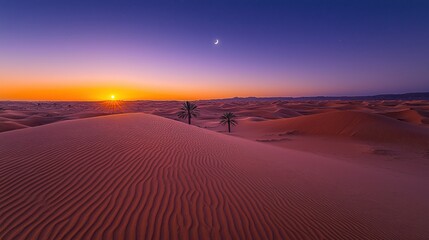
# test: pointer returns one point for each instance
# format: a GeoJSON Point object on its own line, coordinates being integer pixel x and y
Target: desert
{"type": "Point", "coordinates": [214, 120]}
{"type": "Point", "coordinates": [288, 170]}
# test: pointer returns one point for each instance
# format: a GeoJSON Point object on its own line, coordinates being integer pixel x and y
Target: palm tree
{"type": "Point", "coordinates": [188, 110]}
{"type": "Point", "coordinates": [229, 118]}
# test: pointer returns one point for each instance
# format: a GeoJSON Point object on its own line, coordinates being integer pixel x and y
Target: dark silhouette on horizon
{"type": "Point", "coordinates": [187, 111]}
{"type": "Point", "coordinates": [228, 118]}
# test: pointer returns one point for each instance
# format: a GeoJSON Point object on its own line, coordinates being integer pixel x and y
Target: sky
{"type": "Point", "coordinates": [90, 50]}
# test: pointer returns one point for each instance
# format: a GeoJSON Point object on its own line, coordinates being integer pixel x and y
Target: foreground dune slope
{"type": "Point", "coordinates": [136, 176]}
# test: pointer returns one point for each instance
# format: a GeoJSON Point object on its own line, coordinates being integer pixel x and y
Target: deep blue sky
{"type": "Point", "coordinates": [288, 48]}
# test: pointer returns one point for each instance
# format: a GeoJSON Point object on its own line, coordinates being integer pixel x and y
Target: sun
{"type": "Point", "coordinates": [112, 97]}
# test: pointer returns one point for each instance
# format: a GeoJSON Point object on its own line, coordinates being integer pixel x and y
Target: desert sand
{"type": "Point", "coordinates": [15, 115]}
{"type": "Point", "coordinates": [289, 170]}
{"type": "Point", "coordinates": [382, 129]}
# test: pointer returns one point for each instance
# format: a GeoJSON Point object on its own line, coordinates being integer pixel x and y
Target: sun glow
{"type": "Point", "coordinates": [113, 105]}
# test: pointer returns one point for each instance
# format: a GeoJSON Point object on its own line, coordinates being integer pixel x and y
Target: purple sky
{"type": "Point", "coordinates": [164, 49]}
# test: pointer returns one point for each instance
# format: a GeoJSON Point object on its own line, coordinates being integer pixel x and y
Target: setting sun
{"type": "Point", "coordinates": [112, 97]}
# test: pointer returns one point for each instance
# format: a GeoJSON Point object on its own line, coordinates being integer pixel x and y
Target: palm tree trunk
{"type": "Point", "coordinates": [189, 119]}
{"type": "Point", "coordinates": [229, 126]}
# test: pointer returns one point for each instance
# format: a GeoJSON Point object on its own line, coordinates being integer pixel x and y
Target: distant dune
{"type": "Point", "coordinates": [9, 125]}
{"type": "Point", "coordinates": [408, 115]}
{"type": "Point", "coordinates": [137, 176]}
{"type": "Point", "coordinates": [401, 96]}
{"type": "Point", "coordinates": [30, 114]}
{"type": "Point", "coordinates": [357, 125]}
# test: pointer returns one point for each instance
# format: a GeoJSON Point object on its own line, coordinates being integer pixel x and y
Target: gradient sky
{"type": "Point", "coordinates": [88, 50]}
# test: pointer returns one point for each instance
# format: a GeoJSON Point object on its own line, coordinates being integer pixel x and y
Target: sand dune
{"type": "Point", "coordinates": [9, 125]}
{"type": "Point", "coordinates": [357, 125]}
{"type": "Point", "coordinates": [136, 176]}
{"type": "Point", "coordinates": [408, 115]}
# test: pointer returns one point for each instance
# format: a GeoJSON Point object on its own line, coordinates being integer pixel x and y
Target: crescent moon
{"type": "Point", "coordinates": [216, 42]}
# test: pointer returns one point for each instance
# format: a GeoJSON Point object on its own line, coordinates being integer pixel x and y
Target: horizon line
{"type": "Point", "coordinates": [232, 98]}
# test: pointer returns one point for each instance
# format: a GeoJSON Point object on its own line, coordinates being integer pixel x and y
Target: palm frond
{"type": "Point", "coordinates": [223, 121]}
{"type": "Point", "coordinates": [233, 122]}
{"type": "Point", "coordinates": [182, 114]}
{"type": "Point", "coordinates": [188, 110]}
{"type": "Point", "coordinates": [228, 117]}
